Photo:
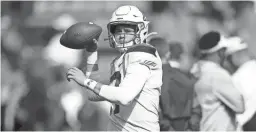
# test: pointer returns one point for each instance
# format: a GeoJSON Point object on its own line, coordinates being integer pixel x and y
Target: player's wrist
{"type": "Point", "coordinates": [92, 85]}
{"type": "Point", "coordinates": [92, 60]}
{"type": "Point", "coordinates": [92, 57]}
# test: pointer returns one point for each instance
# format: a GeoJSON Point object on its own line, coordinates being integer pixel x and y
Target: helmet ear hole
{"type": "Point", "coordinates": [112, 28]}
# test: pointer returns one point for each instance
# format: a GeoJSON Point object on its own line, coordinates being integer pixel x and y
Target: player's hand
{"type": "Point", "coordinates": [92, 47]}
{"type": "Point", "coordinates": [77, 75]}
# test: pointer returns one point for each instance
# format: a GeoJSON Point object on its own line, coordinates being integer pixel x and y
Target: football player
{"type": "Point", "coordinates": [241, 58]}
{"type": "Point", "coordinates": [136, 74]}
{"type": "Point", "coordinates": [216, 94]}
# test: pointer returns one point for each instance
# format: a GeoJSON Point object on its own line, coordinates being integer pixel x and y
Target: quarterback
{"type": "Point", "coordinates": [135, 84]}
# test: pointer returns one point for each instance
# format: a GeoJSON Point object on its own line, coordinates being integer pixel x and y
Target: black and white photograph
{"type": "Point", "coordinates": [79, 65]}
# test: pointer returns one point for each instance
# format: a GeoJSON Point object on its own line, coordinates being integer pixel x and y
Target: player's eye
{"type": "Point", "coordinates": [118, 31]}
{"type": "Point", "coordinates": [129, 30]}
{"type": "Point", "coordinates": [124, 30]}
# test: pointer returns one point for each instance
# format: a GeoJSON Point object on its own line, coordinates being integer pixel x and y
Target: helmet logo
{"type": "Point", "coordinates": [137, 40]}
{"type": "Point", "coordinates": [123, 11]}
{"type": "Point", "coordinates": [144, 18]}
{"type": "Point", "coordinates": [141, 26]}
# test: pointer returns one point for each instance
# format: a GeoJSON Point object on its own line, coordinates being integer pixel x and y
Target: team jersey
{"type": "Point", "coordinates": [142, 113]}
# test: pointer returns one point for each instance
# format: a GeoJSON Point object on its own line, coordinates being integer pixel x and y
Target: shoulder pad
{"type": "Point", "coordinates": [143, 48]}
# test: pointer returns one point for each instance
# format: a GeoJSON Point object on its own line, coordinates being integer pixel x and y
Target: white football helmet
{"type": "Point", "coordinates": [128, 15]}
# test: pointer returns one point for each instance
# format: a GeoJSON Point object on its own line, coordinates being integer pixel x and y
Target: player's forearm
{"type": "Point", "coordinates": [131, 85]}
{"type": "Point", "coordinates": [92, 96]}
{"type": "Point", "coordinates": [91, 71]}
{"type": "Point", "coordinates": [113, 94]}
{"type": "Point", "coordinates": [119, 95]}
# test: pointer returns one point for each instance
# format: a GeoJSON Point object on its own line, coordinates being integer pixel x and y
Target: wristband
{"type": "Point", "coordinates": [90, 83]}
{"type": "Point", "coordinates": [93, 85]}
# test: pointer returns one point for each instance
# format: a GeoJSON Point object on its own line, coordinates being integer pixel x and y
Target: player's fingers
{"type": "Point", "coordinates": [75, 68]}
{"type": "Point", "coordinates": [70, 68]}
{"type": "Point", "coordinates": [67, 77]}
{"type": "Point", "coordinates": [71, 72]}
{"type": "Point", "coordinates": [70, 77]}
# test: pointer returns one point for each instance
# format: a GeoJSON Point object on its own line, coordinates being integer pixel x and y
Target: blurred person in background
{"type": "Point", "coordinates": [177, 94]}
{"type": "Point", "coordinates": [13, 84]}
{"type": "Point", "coordinates": [39, 79]}
{"type": "Point", "coordinates": [161, 46]}
{"type": "Point", "coordinates": [244, 80]}
{"type": "Point", "coordinates": [57, 54]}
{"type": "Point", "coordinates": [60, 57]}
{"type": "Point", "coordinates": [13, 90]}
{"type": "Point", "coordinates": [136, 74]}
{"type": "Point", "coordinates": [219, 99]}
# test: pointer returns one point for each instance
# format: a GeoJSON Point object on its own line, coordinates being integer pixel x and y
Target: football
{"type": "Point", "coordinates": [81, 35]}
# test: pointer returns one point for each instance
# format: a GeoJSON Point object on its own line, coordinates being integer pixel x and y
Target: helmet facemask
{"type": "Point", "coordinates": [139, 28]}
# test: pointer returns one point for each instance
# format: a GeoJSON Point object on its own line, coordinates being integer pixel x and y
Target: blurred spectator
{"type": "Point", "coordinates": [175, 52]}
{"type": "Point", "coordinates": [244, 80]}
{"type": "Point", "coordinates": [161, 46]}
{"type": "Point", "coordinates": [55, 52]}
{"type": "Point", "coordinates": [13, 89]}
{"type": "Point", "coordinates": [12, 42]}
{"type": "Point", "coordinates": [59, 56]}
{"type": "Point", "coordinates": [217, 96]}
{"type": "Point", "coordinates": [39, 78]}
{"type": "Point", "coordinates": [72, 103]}
{"type": "Point", "coordinates": [177, 94]}
{"type": "Point", "coordinates": [13, 83]}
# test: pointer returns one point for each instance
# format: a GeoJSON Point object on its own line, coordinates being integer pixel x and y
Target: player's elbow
{"type": "Point", "coordinates": [240, 108]}
{"type": "Point", "coordinates": [240, 111]}
{"type": "Point", "coordinates": [240, 105]}
{"type": "Point", "coordinates": [126, 101]}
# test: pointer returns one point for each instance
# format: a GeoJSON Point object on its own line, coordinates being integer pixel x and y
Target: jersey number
{"type": "Point", "coordinates": [116, 76]}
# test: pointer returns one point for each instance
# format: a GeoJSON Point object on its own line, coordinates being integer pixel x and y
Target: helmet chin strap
{"type": "Point", "coordinates": [124, 41]}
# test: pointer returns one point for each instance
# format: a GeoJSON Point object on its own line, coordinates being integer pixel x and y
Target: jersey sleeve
{"type": "Point", "coordinates": [130, 86]}
{"type": "Point", "coordinates": [138, 63]}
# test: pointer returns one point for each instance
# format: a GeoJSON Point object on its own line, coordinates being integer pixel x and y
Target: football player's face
{"type": "Point", "coordinates": [124, 33]}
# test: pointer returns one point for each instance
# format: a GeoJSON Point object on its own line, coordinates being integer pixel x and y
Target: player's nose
{"type": "Point", "coordinates": [121, 36]}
